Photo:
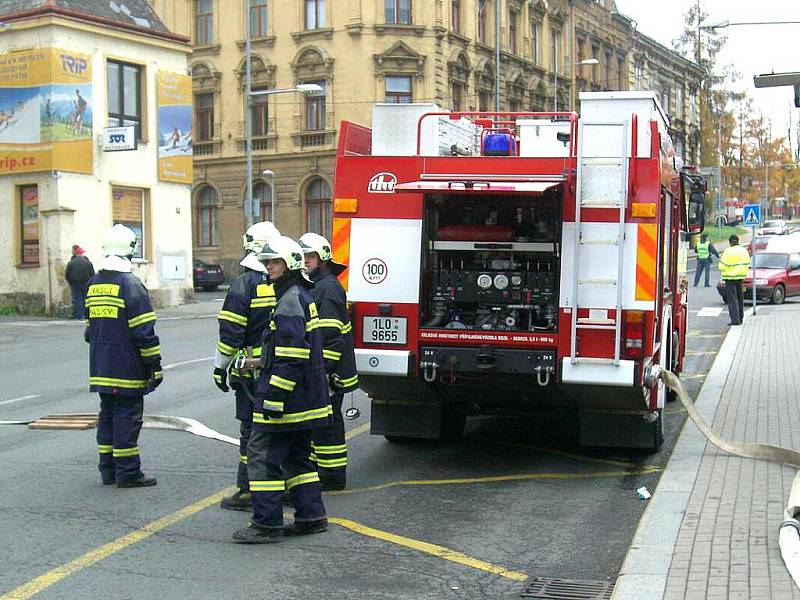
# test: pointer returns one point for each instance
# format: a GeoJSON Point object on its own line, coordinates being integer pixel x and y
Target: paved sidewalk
{"type": "Point", "coordinates": [711, 528]}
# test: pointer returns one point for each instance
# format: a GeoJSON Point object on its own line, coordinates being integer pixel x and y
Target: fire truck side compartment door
{"type": "Point", "coordinates": [385, 260]}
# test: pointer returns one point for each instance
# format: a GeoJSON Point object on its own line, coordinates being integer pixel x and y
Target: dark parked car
{"type": "Point", "coordinates": [777, 275]}
{"type": "Point", "coordinates": [207, 275]}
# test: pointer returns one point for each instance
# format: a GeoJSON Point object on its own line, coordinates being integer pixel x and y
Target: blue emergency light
{"type": "Point", "coordinates": [499, 144]}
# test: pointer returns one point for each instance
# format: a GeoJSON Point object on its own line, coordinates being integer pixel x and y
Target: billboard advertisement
{"type": "Point", "coordinates": [174, 92]}
{"type": "Point", "coordinates": [45, 111]}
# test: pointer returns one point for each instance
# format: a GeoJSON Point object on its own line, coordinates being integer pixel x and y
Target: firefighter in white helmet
{"type": "Point", "coordinates": [124, 358]}
{"type": "Point", "coordinates": [295, 403]}
{"type": "Point", "coordinates": [244, 315]}
{"type": "Point", "coordinates": [329, 446]}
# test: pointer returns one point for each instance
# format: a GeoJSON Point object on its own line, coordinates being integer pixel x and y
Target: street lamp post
{"type": "Point", "coordinates": [586, 61]}
{"type": "Point", "coordinates": [722, 24]}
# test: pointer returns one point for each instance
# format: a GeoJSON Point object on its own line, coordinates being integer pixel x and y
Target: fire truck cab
{"type": "Point", "coordinates": [507, 263]}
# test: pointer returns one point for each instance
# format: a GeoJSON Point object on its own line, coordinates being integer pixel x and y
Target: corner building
{"type": "Point", "coordinates": [365, 51]}
{"type": "Point", "coordinates": [67, 71]}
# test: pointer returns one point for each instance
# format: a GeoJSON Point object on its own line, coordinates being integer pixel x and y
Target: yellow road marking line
{"type": "Point", "coordinates": [693, 376]}
{"type": "Point", "coordinates": [42, 582]}
{"type": "Point", "coordinates": [47, 579]}
{"type": "Point", "coordinates": [581, 457]}
{"type": "Point", "coordinates": [697, 334]}
{"type": "Point", "coordinates": [700, 353]}
{"type": "Point", "coordinates": [675, 411]}
{"type": "Point", "coordinates": [494, 479]}
{"type": "Point", "coordinates": [433, 549]}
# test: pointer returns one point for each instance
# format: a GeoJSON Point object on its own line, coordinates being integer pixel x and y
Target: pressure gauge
{"type": "Point", "coordinates": [484, 281]}
{"type": "Point", "coordinates": [500, 281]}
{"type": "Point", "coordinates": [516, 280]}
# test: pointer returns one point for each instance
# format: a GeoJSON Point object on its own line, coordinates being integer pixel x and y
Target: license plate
{"type": "Point", "coordinates": [212, 271]}
{"type": "Point", "coordinates": [384, 330]}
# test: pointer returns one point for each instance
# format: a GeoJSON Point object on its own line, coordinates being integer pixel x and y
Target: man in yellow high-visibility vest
{"type": "Point", "coordinates": [734, 265]}
{"type": "Point", "coordinates": [704, 250]}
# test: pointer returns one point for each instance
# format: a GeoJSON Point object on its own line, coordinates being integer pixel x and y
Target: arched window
{"type": "Point", "coordinates": [319, 207]}
{"type": "Point", "coordinates": [207, 216]}
{"type": "Point", "coordinates": [262, 201]}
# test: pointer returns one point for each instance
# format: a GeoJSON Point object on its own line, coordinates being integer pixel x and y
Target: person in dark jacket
{"type": "Point", "coordinates": [295, 402]}
{"type": "Point", "coordinates": [329, 446]}
{"type": "Point", "coordinates": [242, 320]}
{"type": "Point", "coordinates": [124, 359]}
{"type": "Point", "coordinates": [78, 273]}
{"type": "Point", "coordinates": [705, 250]}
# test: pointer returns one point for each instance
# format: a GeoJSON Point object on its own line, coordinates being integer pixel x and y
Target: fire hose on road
{"type": "Point", "coordinates": [789, 530]}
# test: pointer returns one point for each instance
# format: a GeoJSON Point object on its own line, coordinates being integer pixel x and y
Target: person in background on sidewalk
{"type": "Point", "coordinates": [734, 265]}
{"type": "Point", "coordinates": [329, 449]}
{"type": "Point", "coordinates": [704, 250]}
{"type": "Point", "coordinates": [244, 316]}
{"type": "Point", "coordinates": [78, 273]}
{"type": "Point", "coordinates": [124, 359]}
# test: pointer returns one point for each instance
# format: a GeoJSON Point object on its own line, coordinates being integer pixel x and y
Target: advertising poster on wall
{"type": "Point", "coordinates": [29, 209]}
{"type": "Point", "coordinates": [174, 93]}
{"type": "Point", "coordinates": [45, 111]}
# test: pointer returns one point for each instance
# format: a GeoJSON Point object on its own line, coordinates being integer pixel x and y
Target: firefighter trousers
{"type": "Point", "coordinates": [118, 427]}
{"type": "Point", "coordinates": [244, 392]}
{"type": "Point", "coordinates": [278, 461]}
{"type": "Point", "coordinates": [329, 450]}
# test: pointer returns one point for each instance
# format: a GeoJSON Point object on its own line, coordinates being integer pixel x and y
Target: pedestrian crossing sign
{"type": "Point", "coordinates": [752, 215]}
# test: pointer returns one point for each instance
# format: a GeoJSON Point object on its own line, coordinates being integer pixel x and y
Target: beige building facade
{"type": "Point", "coordinates": [67, 74]}
{"type": "Point", "coordinates": [365, 51]}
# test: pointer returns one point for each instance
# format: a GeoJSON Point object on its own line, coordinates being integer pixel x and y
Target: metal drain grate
{"type": "Point", "coordinates": [547, 588]}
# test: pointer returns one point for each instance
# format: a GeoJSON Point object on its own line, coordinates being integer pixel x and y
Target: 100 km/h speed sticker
{"type": "Point", "coordinates": [374, 271]}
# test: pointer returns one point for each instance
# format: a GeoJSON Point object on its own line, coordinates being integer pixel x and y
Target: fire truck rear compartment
{"type": "Point", "coordinates": [491, 264]}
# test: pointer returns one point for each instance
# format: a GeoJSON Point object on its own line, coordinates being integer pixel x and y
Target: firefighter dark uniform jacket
{"type": "Point", "coordinates": [334, 322]}
{"type": "Point", "coordinates": [244, 316]}
{"type": "Point", "coordinates": [292, 380]}
{"type": "Point", "coordinates": [124, 351]}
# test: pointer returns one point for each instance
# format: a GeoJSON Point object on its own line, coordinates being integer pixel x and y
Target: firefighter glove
{"type": "Point", "coordinates": [157, 375]}
{"type": "Point", "coordinates": [335, 381]}
{"type": "Point", "coordinates": [221, 379]}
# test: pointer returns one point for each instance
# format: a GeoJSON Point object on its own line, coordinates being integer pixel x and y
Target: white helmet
{"type": "Point", "coordinates": [258, 234]}
{"type": "Point", "coordinates": [285, 248]}
{"type": "Point", "coordinates": [314, 242]}
{"type": "Point", "coordinates": [119, 241]}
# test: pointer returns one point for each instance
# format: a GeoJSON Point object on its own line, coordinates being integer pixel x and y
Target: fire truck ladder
{"type": "Point", "coordinates": [601, 182]}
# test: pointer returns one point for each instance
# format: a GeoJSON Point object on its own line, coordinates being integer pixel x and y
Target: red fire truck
{"type": "Point", "coordinates": [503, 263]}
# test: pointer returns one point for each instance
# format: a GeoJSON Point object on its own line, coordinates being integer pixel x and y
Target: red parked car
{"type": "Point", "coordinates": [777, 276]}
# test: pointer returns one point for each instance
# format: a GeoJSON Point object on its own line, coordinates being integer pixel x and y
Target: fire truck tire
{"type": "Point", "coordinates": [658, 432]}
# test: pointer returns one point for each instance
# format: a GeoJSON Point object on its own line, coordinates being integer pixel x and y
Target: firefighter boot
{"type": "Point", "coordinates": [333, 479]}
{"type": "Point", "coordinates": [253, 534]}
{"type": "Point", "coordinates": [238, 501]}
{"type": "Point", "coordinates": [306, 527]}
{"type": "Point", "coordinates": [141, 481]}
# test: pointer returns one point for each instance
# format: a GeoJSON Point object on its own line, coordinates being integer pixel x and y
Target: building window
{"type": "Point", "coordinates": [595, 52]}
{"type": "Point", "coordinates": [665, 102]}
{"type": "Point", "coordinates": [639, 76]}
{"type": "Point", "coordinates": [124, 96]}
{"type": "Point", "coordinates": [319, 206]}
{"type": "Point", "coordinates": [259, 114]}
{"type": "Point", "coordinates": [204, 116]}
{"type": "Point", "coordinates": [204, 23]}
{"type": "Point", "coordinates": [207, 216]}
{"type": "Point", "coordinates": [315, 14]}
{"type": "Point", "coordinates": [258, 18]}
{"type": "Point", "coordinates": [398, 12]}
{"type": "Point", "coordinates": [455, 16]}
{"type": "Point", "coordinates": [607, 68]}
{"type": "Point", "coordinates": [535, 42]}
{"type": "Point", "coordinates": [512, 31]}
{"type": "Point", "coordinates": [398, 89]}
{"type": "Point", "coordinates": [315, 108]}
{"type": "Point", "coordinates": [128, 208]}
{"type": "Point", "coordinates": [679, 100]}
{"type": "Point", "coordinates": [554, 53]}
{"type": "Point", "coordinates": [262, 201]}
{"type": "Point", "coordinates": [457, 96]}
{"type": "Point", "coordinates": [29, 224]}
{"type": "Point", "coordinates": [482, 5]}
{"type": "Point", "coordinates": [484, 100]}
{"type": "Point", "coordinates": [621, 74]}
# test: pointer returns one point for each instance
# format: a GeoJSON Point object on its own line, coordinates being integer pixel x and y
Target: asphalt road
{"type": "Point", "coordinates": [513, 500]}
